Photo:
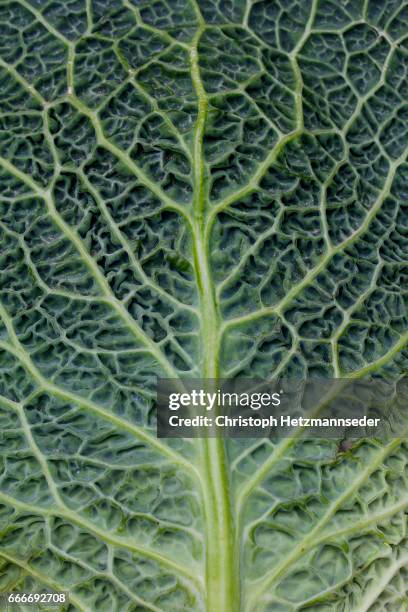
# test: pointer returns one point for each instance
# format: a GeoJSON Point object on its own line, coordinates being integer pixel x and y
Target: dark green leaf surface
{"type": "Point", "coordinates": [199, 188]}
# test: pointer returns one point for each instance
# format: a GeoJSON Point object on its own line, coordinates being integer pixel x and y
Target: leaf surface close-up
{"type": "Point", "coordinates": [204, 189]}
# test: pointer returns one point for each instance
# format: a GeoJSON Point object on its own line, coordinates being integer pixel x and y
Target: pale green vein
{"type": "Point", "coordinates": [272, 156]}
{"type": "Point", "coordinates": [54, 491]}
{"type": "Point", "coordinates": [308, 540]}
{"type": "Point", "coordinates": [133, 73]}
{"type": "Point", "coordinates": [122, 156]}
{"type": "Point", "coordinates": [383, 360]}
{"type": "Point", "coordinates": [372, 596]}
{"type": "Point", "coordinates": [300, 124]}
{"type": "Point", "coordinates": [259, 110]}
{"type": "Point", "coordinates": [278, 452]}
{"type": "Point", "coordinates": [51, 484]}
{"type": "Point", "coordinates": [253, 183]}
{"type": "Point", "coordinates": [399, 9]}
{"type": "Point", "coordinates": [323, 206]}
{"type": "Point", "coordinates": [39, 457]}
{"type": "Point", "coordinates": [44, 578]}
{"type": "Point", "coordinates": [70, 70]}
{"type": "Point", "coordinates": [357, 527]}
{"type": "Point", "coordinates": [347, 317]}
{"type": "Point", "coordinates": [105, 575]}
{"type": "Point", "coordinates": [209, 313]}
{"type": "Point", "coordinates": [245, 20]}
{"type": "Point", "coordinates": [127, 247]}
{"type": "Point", "coordinates": [46, 195]}
{"type": "Point", "coordinates": [168, 37]}
{"type": "Point", "coordinates": [19, 352]}
{"type": "Point", "coordinates": [222, 582]}
{"type": "Point", "coordinates": [89, 17]}
{"type": "Point", "coordinates": [196, 6]}
{"type": "Point", "coordinates": [39, 17]}
{"type": "Point", "coordinates": [22, 81]}
{"type": "Point", "coordinates": [73, 237]}
{"type": "Point", "coordinates": [184, 573]}
{"type": "Point", "coordinates": [27, 258]}
{"type": "Point", "coordinates": [363, 99]}
{"type": "Point", "coordinates": [163, 114]}
{"type": "Point", "coordinates": [127, 161]}
{"type": "Point", "coordinates": [276, 150]}
{"type": "Point", "coordinates": [51, 143]}
{"type": "Point", "coordinates": [8, 403]}
{"type": "Point", "coordinates": [308, 29]}
{"type": "Point", "coordinates": [238, 268]}
{"type": "Point", "coordinates": [73, 296]}
{"type": "Point", "coordinates": [322, 265]}
{"type": "Point", "coordinates": [91, 406]}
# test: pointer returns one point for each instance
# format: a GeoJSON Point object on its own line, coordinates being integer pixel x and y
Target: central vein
{"type": "Point", "coordinates": [222, 565]}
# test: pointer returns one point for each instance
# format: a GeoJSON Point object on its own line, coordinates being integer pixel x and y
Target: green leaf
{"type": "Point", "coordinates": [199, 188]}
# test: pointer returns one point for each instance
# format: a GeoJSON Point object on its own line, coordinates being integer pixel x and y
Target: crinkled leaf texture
{"type": "Point", "coordinates": [199, 188]}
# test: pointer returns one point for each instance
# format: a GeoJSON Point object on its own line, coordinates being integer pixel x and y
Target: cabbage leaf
{"type": "Point", "coordinates": [199, 188]}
